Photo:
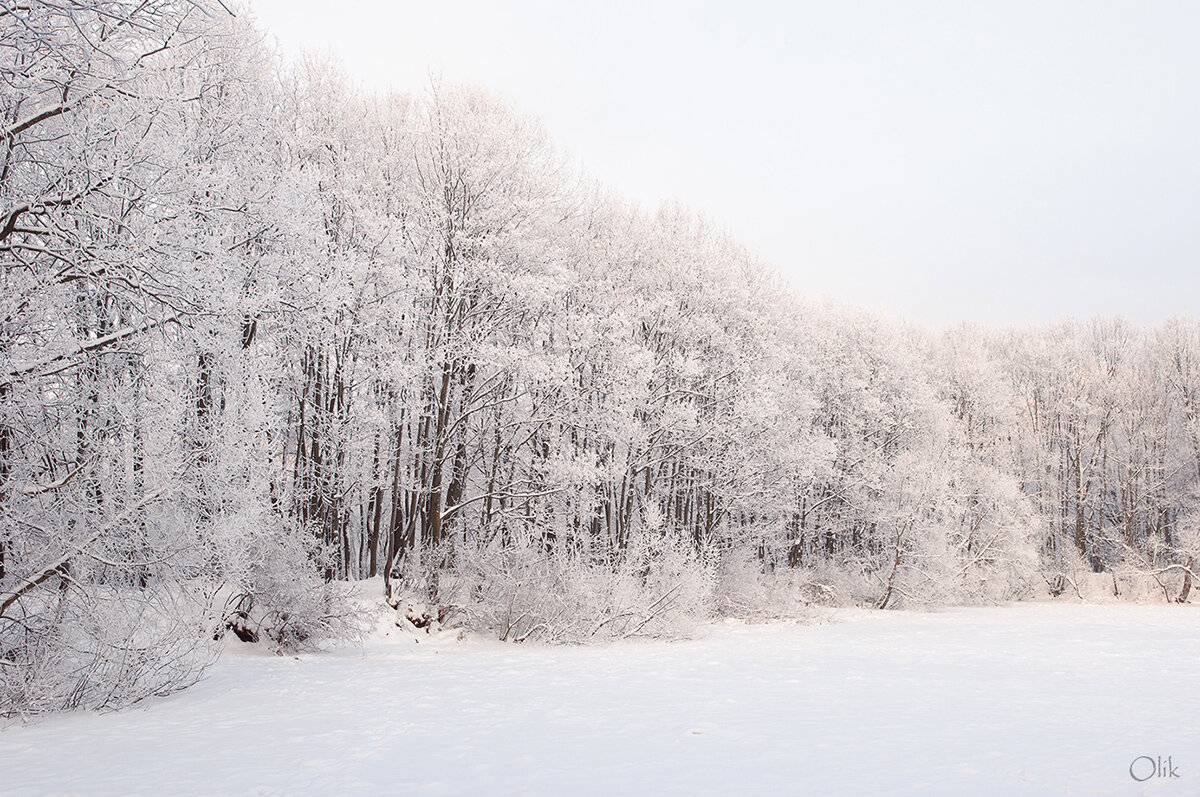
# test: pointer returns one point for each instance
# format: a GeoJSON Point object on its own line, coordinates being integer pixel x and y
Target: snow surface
{"type": "Point", "coordinates": [1025, 699]}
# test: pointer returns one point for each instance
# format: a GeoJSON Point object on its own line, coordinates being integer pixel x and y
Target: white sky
{"type": "Point", "coordinates": [1007, 163]}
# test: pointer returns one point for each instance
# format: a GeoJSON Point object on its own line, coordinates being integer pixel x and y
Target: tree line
{"type": "Point", "coordinates": [263, 334]}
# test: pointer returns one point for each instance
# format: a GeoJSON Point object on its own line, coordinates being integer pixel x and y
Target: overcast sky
{"type": "Point", "coordinates": [1008, 163]}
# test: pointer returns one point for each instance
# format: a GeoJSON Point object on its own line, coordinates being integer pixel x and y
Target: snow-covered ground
{"type": "Point", "coordinates": [1027, 699]}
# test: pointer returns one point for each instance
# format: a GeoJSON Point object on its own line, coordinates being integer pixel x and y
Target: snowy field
{"type": "Point", "coordinates": [1029, 699]}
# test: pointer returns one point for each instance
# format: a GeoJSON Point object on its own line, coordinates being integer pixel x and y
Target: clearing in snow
{"type": "Point", "coordinates": [1026, 699]}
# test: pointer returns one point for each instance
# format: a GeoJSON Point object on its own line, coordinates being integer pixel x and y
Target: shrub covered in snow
{"type": "Point", "coordinates": [660, 589]}
{"type": "Point", "coordinates": [102, 648]}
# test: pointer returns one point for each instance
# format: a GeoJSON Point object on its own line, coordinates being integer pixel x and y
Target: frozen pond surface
{"type": "Point", "coordinates": [1027, 699]}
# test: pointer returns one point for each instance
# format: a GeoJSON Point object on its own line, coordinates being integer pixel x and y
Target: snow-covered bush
{"type": "Point", "coordinates": [744, 591]}
{"type": "Point", "coordinates": [297, 609]}
{"type": "Point", "coordinates": [273, 587]}
{"type": "Point", "coordinates": [654, 589]}
{"type": "Point", "coordinates": [103, 648]}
